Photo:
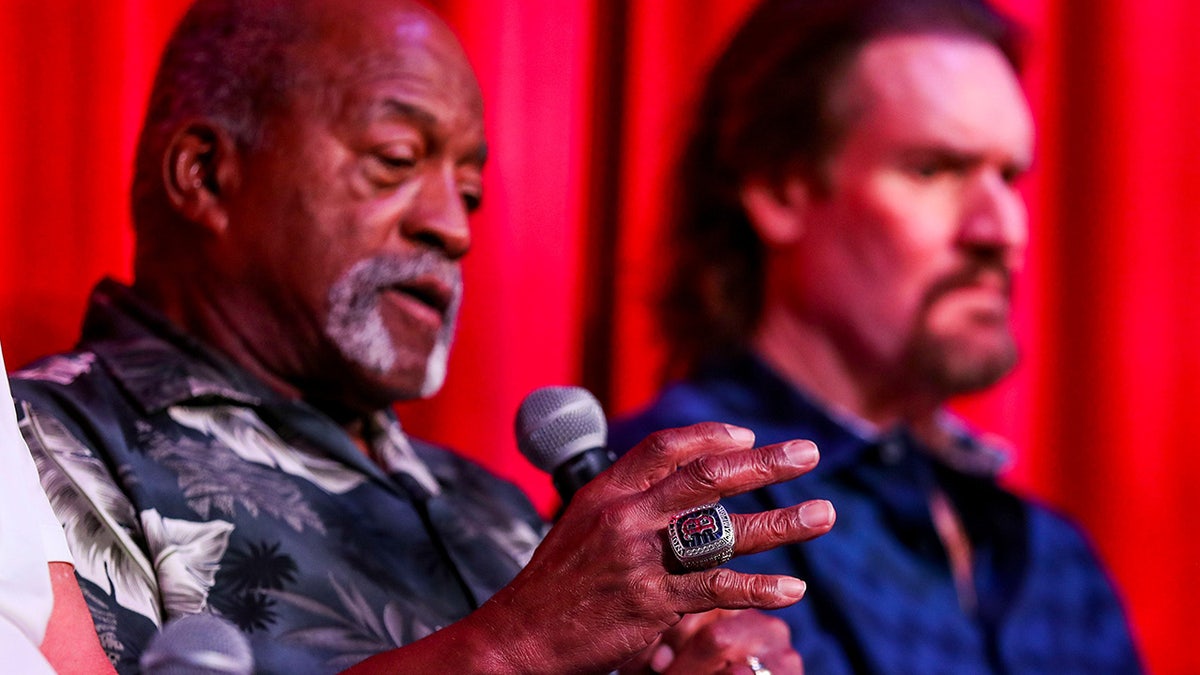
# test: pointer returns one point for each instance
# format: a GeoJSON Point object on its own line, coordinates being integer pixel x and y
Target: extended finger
{"type": "Point", "coordinates": [758, 532]}
{"type": "Point", "coordinates": [710, 477]}
{"type": "Point", "coordinates": [664, 451]}
{"type": "Point", "coordinates": [723, 588]}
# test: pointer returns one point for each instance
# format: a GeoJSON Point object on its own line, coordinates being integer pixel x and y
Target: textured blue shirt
{"type": "Point", "coordinates": [881, 595]}
{"type": "Point", "coordinates": [185, 485]}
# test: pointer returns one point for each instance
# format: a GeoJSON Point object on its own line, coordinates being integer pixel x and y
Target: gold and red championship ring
{"type": "Point", "coordinates": [702, 538]}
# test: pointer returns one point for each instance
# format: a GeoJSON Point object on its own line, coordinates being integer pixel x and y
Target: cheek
{"type": "Point", "coordinates": [904, 238]}
{"type": "Point", "coordinates": [337, 235]}
{"type": "Point", "coordinates": [872, 251]}
{"type": "Point", "coordinates": [886, 265]}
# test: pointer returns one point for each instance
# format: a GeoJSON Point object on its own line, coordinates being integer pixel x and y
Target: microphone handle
{"type": "Point", "coordinates": [577, 471]}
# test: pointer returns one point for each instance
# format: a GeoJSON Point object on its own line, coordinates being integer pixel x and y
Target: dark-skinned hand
{"type": "Point", "coordinates": [604, 584]}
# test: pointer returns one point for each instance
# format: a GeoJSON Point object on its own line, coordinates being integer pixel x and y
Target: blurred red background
{"type": "Point", "coordinates": [586, 101]}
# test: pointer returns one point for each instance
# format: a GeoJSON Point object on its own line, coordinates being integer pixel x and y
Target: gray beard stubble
{"type": "Point", "coordinates": [355, 322]}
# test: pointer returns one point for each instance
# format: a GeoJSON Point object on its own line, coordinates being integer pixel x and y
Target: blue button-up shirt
{"type": "Point", "coordinates": [882, 596]}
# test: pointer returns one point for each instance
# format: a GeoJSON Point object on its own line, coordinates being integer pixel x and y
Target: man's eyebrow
{"type": "Point", "coordinates": [942, 151]}
{"type": "Point", "coordinates": [959, 156]}
{"type": "Point", "coordinates": [397, 108]}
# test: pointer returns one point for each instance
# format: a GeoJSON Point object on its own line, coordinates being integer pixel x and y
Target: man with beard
{"type": "Point", "coordinates": [222, 441]}
{"type": "Point", "coordinates": [847, 232]}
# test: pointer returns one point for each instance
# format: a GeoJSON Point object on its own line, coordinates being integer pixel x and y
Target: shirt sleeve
{"type": "Point", "coordinates": [30, 536]}
{"type": "Point", "coordinates": [54, 542]}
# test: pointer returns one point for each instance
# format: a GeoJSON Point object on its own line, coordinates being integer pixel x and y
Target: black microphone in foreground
{"type": "Point", "coordinates": [562, 431]}
{"type": "Point", "coordinates": [198, 643]}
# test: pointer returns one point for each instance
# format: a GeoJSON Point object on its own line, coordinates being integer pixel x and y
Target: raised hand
{"type": "Point", "coordinates": [605, 584]}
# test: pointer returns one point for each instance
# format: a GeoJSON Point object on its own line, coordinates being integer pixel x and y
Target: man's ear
{"type": "Point", "coordinates": [778, 209]}
{"type": "Point", "coordinates": [199, 171]}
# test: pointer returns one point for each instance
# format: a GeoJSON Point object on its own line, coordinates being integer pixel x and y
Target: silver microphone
{"type": "Point", "coordinates": [198, 643]}
{"type": "Point", "coordinates": [562, 431]}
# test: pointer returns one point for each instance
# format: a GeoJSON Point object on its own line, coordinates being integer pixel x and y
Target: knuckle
{"type": "Point", "coordinates": [778, 526]}
{"type": "Point", "coordinates": [659, 443]}
{"type": "Point", "coordinates": [724, 580]}
{"type": "Point", "coordinates": [666, 442]}
{"type": "Point", "coordinates": [711, 431]}
{"type": "Point", "coordinates": [644, 590]}
{"type": "Point", "coordinates": [708, 471]}
{"type": "Point", "coordinates": [743, 590]}
{"type": "Point", "coordinates": [765, 464]}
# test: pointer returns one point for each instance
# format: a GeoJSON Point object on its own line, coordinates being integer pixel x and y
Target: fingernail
{"type": "Point", "coordinates": [740, 434]}
{"type": "Point", "coordinates": [802, 453]}
{"type": "Point", "coordinates": [792, 587]}
{"type": "Point", "coordinates": [817, 513]}
{"type": "Point", "coordinates": [662, 658]}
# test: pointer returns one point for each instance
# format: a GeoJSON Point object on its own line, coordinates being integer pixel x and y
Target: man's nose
{"type": "Point", "coordinates": [995, 219]}
{"type": "Point", "coordinates": [439, 216]}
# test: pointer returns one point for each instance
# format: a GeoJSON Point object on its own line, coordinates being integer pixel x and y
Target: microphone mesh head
{"type": "Point", "coordinates": [555, 424]}
{"type": "Point", "coordinates": [198, 643]}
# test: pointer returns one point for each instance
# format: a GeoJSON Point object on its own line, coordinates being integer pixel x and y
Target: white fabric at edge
{"type": "Point", "coordinates": [30, 537]}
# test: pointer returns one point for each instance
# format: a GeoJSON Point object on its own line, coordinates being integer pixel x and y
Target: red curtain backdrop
{"type": "Point", "coordinates": [586, 101]}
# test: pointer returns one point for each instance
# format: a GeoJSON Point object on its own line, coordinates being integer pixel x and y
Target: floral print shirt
{"type": "Point", "coordinates": [185, 485]}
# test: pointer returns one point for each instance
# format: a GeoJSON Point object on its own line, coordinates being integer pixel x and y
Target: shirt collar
{"type": "Point", "coordinates": [158, 365]}
{"type": "Point", "coordinates": [755, 388]}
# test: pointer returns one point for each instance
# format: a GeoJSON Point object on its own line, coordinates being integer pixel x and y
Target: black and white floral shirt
{"type": "Point", "coordinates": [184, 485]}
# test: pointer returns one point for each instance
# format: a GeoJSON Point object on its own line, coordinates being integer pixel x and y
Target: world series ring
{"type": "Point", "coordinates": [702, 538]}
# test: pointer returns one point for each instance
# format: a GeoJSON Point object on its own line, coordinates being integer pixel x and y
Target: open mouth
{"type": "Point", "coordinates": [427, 292]}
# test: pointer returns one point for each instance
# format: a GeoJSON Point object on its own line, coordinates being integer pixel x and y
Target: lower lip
{"type": "Point", "coordinates": [982, 300]}
{"type": "Point", "coordinates": [413, 307]}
